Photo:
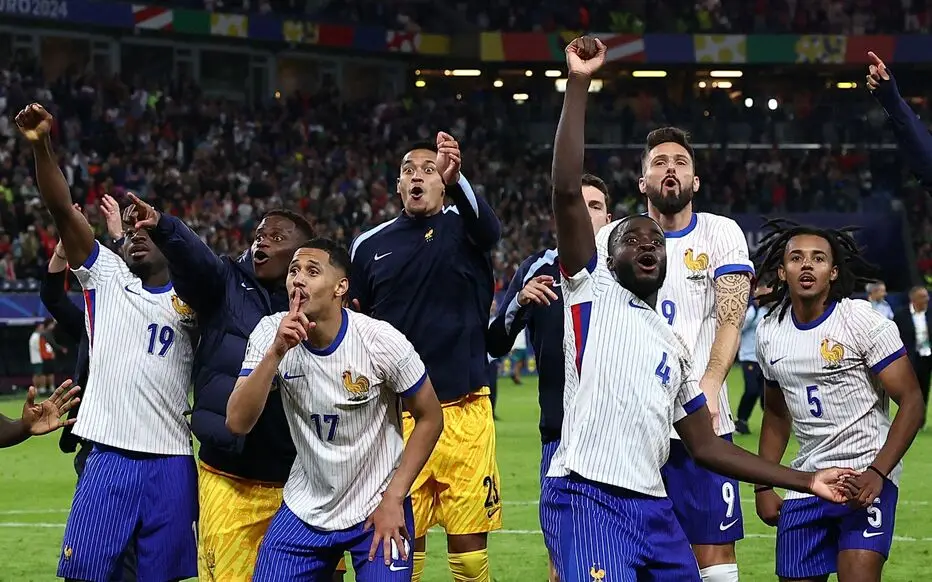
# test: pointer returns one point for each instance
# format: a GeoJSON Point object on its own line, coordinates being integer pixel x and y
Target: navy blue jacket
{"type": "Point", "coordinates": [229, 302]}
{"type": "Point", "coordinates": [70, 319]}
{"type": "Point", "coordinates": [431, 278]}
{"type": "Point", "coordinates": [911, 133]}
{"type": "Point", "coordinates": [545, 324]}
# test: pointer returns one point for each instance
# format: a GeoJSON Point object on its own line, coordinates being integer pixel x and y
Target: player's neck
{"type": "Point", "coordinates": [326, 329]}
{"type": "Point", "coordinates": [808, 310]}
{"type": "Point", "coordinates": [157, 279]}
{"type": "Point", "coordinates": [672, 222]}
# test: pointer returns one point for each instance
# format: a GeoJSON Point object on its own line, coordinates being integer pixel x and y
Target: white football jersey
{"type": "Point", "coordinates": [343, 406]}
{"type": "Point", "coordinates": [827, 371]}
{"type": "Point", "coordinates": [709, 247]}
{"type": "Point", "coordinates": [628, 379]}
{"type": "Point", "coordinates": [141, 353]}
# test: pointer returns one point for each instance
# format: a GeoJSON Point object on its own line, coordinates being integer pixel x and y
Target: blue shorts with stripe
{"type": "Point", "coordinates": [132, 499]}
{"type": "Point", "coordinates": [292, 550]}
{"type": "Point", "coordinates": [706, 504]}
{"type": "Point", "coordinates": [619, 535]}
{"type": "Point", "coordinates": [549, 519]}
{"type": "Point", "coordinates": [811, 532]}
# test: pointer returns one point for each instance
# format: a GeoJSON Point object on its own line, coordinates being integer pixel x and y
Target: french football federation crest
{"type": "Point", "coordinates": [832, 352]}
{"type": "Point", "coordinates": [697, 265]}
{"type": "Point", "coordinates": [358, 387]}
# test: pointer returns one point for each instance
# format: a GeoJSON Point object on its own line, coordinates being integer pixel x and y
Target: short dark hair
{"type": "Point", "coordinates": [619, 228]}
{"type": "Point", "coordinates": [668, 135]}
{"type": "Point", "coordinates": [422, 145]}
{"type": "Point", "coordinates": [597, 183]}
{"type": "Point", "coordinates": [339, 256]}
{"type": "Point", "coordinates": [299, 221]}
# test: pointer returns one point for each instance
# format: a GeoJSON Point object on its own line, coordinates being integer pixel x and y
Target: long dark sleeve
{"type": "Point", "coordinates": [911, 133]}
{"type": "Point", "coordinates": [511, 318]}
{"type": "Point", "coordinates": [480, 220]}
{"type": "Point", "coordinates": [198, 275]}
{"type": "Point", "coordinates": [69, 316]}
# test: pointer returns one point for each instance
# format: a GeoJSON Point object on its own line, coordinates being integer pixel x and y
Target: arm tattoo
{"type": "Point", "coordinates": [731, 298]}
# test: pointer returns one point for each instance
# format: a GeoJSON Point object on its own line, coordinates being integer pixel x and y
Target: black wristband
{"type": "Point", "coordinates": [876, 470]}
{"type": "Point", "coordinates": [763, 488]}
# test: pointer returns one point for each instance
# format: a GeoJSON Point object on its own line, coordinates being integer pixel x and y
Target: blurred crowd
{"type": "Point", "coordinates": [220, 165]}
{"type": "Point", "coordinates": [632, 16]}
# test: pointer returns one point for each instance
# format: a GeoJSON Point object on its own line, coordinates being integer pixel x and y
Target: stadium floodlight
{"type": "Point", "coordinates": [595, 85]}
{"type": "Point", "coordinates": [748, 102]}
{"type": "Point", "coordinates": [498, 83]}
{"type": "Point", "coordinates": [703, 84]}
{"type": "Point", "coordinates": [726, 74]}
{"type": "Point", "coordinates": [648, 74]}
{"type": "Point", "coordinates": [520, 97]}
{"type": "Point", "coordinates": [420, 84]}
{"type": "Point", "coordinates": [466, 72]}
{"type": "Point", "coordinates": [529, 73]}
{"type": "Point", "coordinates": [847, 85]}
{"type": "Point", "coordinates": [772, 104]}
{"type": "Point", "coordinates": [552, 73]}
{"type": "Point", "coordinates": [722, 84]}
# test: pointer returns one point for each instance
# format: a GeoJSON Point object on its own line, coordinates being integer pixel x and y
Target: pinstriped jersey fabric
{"type": "Point", "coordinates": [827, 370]}
{"type": "Point", "coordinates": [141, 355]}
{"type": "Point", "coordinates": [344, 410]}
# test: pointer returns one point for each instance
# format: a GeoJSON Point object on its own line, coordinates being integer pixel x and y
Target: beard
{"type": "Point", "coordinates": [643, 286]}
{"type": "Point", "coordinates": [668, 204]}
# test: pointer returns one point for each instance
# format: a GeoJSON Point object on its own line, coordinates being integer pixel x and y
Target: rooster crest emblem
{"type": "Point", "coordinates": [429, 235]}
{"type": "Point", "coordinates": [358, 388]}
{"type": "Point", "coordinates": [596, 573]}
{"type": "Point", "coordinates": [697, 264]}
{"type": "Point", "coordinates": [832, 352]}
{"type": "Point", "coordinates": [187, 314]}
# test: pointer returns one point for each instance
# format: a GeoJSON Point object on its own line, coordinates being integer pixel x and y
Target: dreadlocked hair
{"type": "Point", "coordinates": [853, 270]}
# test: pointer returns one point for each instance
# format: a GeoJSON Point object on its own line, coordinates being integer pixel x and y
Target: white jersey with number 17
{"type": "Point", "coordinates": [827, 370]}
{"type": "Point", "coordinates": [709, 247]}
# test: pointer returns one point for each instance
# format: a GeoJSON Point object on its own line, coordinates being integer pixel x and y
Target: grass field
{"type": "Point", "coordinates": [37, 482]}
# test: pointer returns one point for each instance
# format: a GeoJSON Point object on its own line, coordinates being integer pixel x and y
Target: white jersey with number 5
{"type": "Point", "coordinates": [709, 247]}
{"type": "Point", "coordinates": [343, 406]}
{"type": "Point", "coordinates": [628, 379]}
{"type": "Point", "coordinates": [141, 353]}
{"type": "Point", "coordinates": [827, 370]}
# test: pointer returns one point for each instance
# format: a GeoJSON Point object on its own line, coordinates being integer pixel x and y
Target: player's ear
{"type": "Point", "coordinates": [695, 183]}
{"type": "Point", "coordinates": [834, 274]}
{"type": "Point", "coordinates": [342, 287]}
{"type": "Point", "coordinates": [642, 185]}
{"type": "Point", "coordinates": [398, 186]}
{"type": "Point", "coordinates": [781, 274]}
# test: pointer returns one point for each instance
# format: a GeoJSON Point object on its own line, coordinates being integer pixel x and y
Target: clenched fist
{"type": "Point", "coordinates": [584, 56]}
{"type": "Point", "coordinates": [35, 123]}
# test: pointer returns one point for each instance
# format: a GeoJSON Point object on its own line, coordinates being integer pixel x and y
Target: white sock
{"type": "Point", "coordinates": [720, 573]}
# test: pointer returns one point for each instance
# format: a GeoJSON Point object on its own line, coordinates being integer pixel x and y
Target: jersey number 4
{"type": "Point", "coordinates": [164, 335]}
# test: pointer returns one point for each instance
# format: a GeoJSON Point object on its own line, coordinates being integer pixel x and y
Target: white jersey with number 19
{"type": "Point", "coordinates": [709, 247]}
{"type": "Point", "coordinates": [141, 353]}
{"type": "Point", "coordinates": [827, 370]}
{"type": "Point", "coordinates": [628, 379]}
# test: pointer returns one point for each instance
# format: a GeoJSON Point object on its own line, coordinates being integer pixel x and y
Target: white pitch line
{"type": "Point", "coordinates": [744, 501]}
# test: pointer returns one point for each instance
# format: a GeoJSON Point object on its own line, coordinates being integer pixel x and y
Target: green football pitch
{"type": "Point", "coordinates": [37, 482]}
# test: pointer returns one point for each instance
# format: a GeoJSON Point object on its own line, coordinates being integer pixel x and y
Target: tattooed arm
{"type": "Point", "coordinates": [731, 303]}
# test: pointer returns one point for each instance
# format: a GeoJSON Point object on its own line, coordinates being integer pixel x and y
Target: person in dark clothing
{"type": "Point", "coordinates": [241, 477]}
{"type": "Point", "coordinates": [914, 321]}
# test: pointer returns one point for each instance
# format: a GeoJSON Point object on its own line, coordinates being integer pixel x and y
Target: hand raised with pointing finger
{"type": "Point", "coordinates": [538, 291]}
{"type": "Point", "coordinates": [449, 158]}
{"type": "Point", "coordinates": [140, 214]}
{"type": "Point", "coordinates": [293, 328]}
{"type": "Point", "coordinates": [876, 72]}
{"type": "Point", "coordinates": [584, 56]}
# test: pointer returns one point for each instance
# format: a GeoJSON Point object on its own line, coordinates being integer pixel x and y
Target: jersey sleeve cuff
{"type": "Point", "coordinates": [92, 256]}
{"type": "Point", "coordinates": [245, 372]}
{"type": "Point", "coordinates": [415, 387]}
{"type": "Point", "coordinates": [731, 269]}
{"type": "Point", "coordinates": [882, 364]}
{"type": "Point", "coordinates": [694, 404]}
{"type": "Point", "coordinates": [590, 266]}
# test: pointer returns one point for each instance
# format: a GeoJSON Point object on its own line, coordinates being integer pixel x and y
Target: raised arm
{"type": "Point", "coordinates": [54, 296]}
{"type": "Point", "coordinates": [911, 133]}
{"type": "Point", "coordinates": [482, 225]}
{"type": "Point", "coordinates": [198, 275]}
{"type": "Point", "coordinates": [35, 123]}
{"type": "Point", "coordinates": [575, 239]}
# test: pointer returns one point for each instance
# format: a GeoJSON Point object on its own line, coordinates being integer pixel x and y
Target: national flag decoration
{"type": "Point", "coordinates": [400, 41]}
{"type": "Point", "coordinates": [152, 17]}
{"type": "Point", "coordinates": [622, 47]}
{"type": "Point", "coordinates": [812, 48]}
{"type": "Point", "coordinates": [299, 32]}
{"type": "Point", "coordinates": [720, 48]}
{"type": "Point", "coordinates": [235, 25]}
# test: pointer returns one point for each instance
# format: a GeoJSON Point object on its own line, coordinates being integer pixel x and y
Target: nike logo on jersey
{"type": "Point", "coordinates": [247, 288]}
{"type": "Point", "coordinates": [493, 511]}
{"type": "Point", "coordinates": [128, 290]}
{"type": "Point", "coordinates": [724, 527]}
{"type": "Point", "coordinates": [379, 257]}
{"type": "Point", "coordinates": [871, 534]}
{"type": "Point", "coordinates": [395, 568]}
{"type": "Point", "coordinates": [288, 376]}
{"type": "Point", "coordinates": [772, 362]}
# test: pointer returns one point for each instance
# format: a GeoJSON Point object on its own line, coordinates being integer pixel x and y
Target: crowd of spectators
{"type": "Point", "coordinates": [631, 16]}
{"type": "Point", "coordinates": [219, 165]}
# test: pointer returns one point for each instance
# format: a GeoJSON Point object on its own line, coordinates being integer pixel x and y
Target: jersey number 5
{"type": "Point", "coordinates": [165, 337]}
{"type": "Point", "coordinates": [814, 402]}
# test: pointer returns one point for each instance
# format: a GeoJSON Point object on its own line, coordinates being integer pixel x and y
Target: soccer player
{"type": "Point", "coordinates": [704, 299]}
{"type": "Point", "coordinates": [241, 477]}
{"type": "Point", "coordinates": [140, 482]}
{"type": "Point", "coordinates": [629, 381]}
{"type": "Point", "coordinates": [534, 300]}
{"type": "Point", "coordinates": [428, 272]}
{"type": "Point", "coordinates": [831, 366]}
{"type": "Point", "coordinates": [41, 418]}
{"type": "Point", "coordinates": [342, 388]}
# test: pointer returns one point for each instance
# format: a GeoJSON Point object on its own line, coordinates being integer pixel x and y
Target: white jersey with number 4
{"type": "Point", "coordinates": [141, 353]}
{"type": "Point", "coordinates": [709, 247]}
{"type": "Point", "coordinates": [343, 406]}
{"type": "Point", "coordinates": [827, 370]}
{"type": "Point", "coordinates": [628, 379]}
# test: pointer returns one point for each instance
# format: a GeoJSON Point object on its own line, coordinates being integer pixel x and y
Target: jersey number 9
{"type": "Point", "coordinates": [668, 309]}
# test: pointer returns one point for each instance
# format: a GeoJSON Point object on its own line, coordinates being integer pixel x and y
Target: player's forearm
{"type": "Point", "coordinates": [732, 292]}
{"type": "Point", "coordinates": [12, 432]}
{"type": "Point", "coordinates": [250, 395]}
{"type": "Point", "coordinates": [428, 425]}
{"type": "Point", "coordinates": [732, 461]}
{"type": "Point", "coordinates": [196, 270]}
{"type": "Point", "coordinates": [482, 225]}
{"type": "Point", "coordinates": [77, 236]}
{"type": "Point", "coordinates": [903, 430]}
{"type": "Point", "coordinates": [909, 129]}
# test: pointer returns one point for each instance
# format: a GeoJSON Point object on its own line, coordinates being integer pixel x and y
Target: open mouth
{"type": "Point", "coordinates": [260, 257]}
{"type": "Point", "coordinates": [670, 182]}
{"type": "Point", "coordinates": [416, 192]}
{"type": "Point", "coordinates": [647, 261]}
{"type": "Point", "coordinates": [806, 281]}
{"type": "Point", "coordinates": [138, 251]}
